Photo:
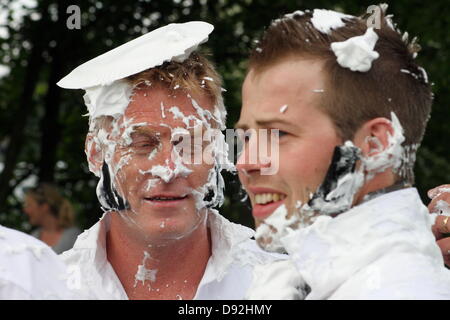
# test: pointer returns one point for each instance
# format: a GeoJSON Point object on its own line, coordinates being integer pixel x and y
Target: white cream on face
{"type": "Point", "coordinates": [283, 108]}
{"type": "Point", "coordinates": [107, 94]}
{"type": "Point", "coordinates": [339, 199]}
{"type": "Point", "coordinates": [273, 228]}
{"type": "Point", "coordinates": [109, 100]}
{"type": "Point", "coordinates": [442, 207]}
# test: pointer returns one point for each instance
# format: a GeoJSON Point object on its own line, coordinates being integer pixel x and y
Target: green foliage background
{"type": "Point", "coordinates": [40, 49]}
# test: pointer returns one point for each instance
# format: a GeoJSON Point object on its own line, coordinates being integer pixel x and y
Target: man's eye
{"type": "Point", "coordinates": [144, 144]}
{"type": "Point", "coordinates": [282, 133]}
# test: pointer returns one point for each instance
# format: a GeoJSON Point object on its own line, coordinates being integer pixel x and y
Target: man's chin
{"type": "Point", "coordinates": [157, 229]}
{"type": "Point", "coordinates": [262, 212]}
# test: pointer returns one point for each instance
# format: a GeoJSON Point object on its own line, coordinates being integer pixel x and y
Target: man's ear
{"type": "Point", "coordinates": [94, 155]}
{"type": "Point", "coordinates": [373, 136]}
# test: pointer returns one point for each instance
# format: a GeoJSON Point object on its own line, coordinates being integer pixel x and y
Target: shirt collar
{"type": "Point", "coordinates": [226, 237]}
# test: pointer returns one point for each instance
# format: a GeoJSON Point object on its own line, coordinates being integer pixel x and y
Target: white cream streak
{"type": "Point", "coordinates": [327, 20]}
{"type": "Point", "coordinates": [163, 115]}
{"type": "Point", "coordinates": [144, 274]}
{"type": "Point", "coordinates": [177, 114]}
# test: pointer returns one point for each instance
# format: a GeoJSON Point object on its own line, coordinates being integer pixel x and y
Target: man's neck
{"type": "Point", "coordinates": [172, 270]}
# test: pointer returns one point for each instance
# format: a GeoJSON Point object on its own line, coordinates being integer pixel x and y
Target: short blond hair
{"type": "Point", "coordinates": [196, 75]}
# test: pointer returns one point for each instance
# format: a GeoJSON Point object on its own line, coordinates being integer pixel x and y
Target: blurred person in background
{"type": "Point", "coordinates": [54, 216]}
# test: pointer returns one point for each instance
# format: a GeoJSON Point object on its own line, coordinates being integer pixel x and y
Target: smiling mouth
{"type": "Point", "coordinates": [267, 198]}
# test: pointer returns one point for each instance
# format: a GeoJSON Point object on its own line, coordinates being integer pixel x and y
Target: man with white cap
{"type": "Point", "coordinates": [160, 237]}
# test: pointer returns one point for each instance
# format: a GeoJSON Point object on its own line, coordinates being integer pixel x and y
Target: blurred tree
{"type": "Point", "coordinates": [41, 128]}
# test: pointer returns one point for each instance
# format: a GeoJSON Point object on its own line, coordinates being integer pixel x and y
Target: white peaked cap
{"type": "Point", "coordinates": [172, 42]}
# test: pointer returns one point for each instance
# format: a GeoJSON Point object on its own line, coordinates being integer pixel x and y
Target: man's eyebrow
{"type": "Point", "coordinates": [271, 122]}
{"type": "Point", "coordinates": [264, 123]}
{"type": "Point", "coordinates": [145, 131]}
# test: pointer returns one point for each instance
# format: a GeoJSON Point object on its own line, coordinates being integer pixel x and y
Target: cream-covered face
{"type": "Point", "coordinates": [307, 135]}
{"type": "Point", "coordinates": [163, 193]}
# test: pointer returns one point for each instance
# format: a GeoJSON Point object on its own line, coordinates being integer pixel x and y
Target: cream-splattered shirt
{"type": "Point", "coordinates": [228, 273]}
{"type": "Point", "coordinates": [380, 249]}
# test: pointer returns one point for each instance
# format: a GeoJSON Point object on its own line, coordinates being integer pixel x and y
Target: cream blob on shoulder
{"type": "Point", "coordinates": [326, 20]}
{"type": "Point", "coordinates": [357, 53]}
{"type": "Point", "coordinates": [273, 228]}
{"type": "Point", "coordinates": [172, 42]}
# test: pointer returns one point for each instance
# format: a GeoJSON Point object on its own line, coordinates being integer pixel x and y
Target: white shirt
{"type": "Point", "coordinates": [227, 276]}
{"type": "Point", "coordinates": [381, 249]}
{"type": "Point", "coordinates": [29, 269]}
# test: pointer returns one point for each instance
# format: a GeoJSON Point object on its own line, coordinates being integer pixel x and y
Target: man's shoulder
{"type": "Point", "coordinates": [398, 276]}
{"type": "Point", "coordinates": [7, 234]}
{"type": "Point", "coordinates": [29, 268]}
{"type": "Point", "coordinates": [18, 244]}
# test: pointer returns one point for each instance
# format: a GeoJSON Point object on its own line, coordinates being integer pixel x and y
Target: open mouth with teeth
{"type": "Point", "coordinates": [266, 198]}
{"type": "Point", "coordinates": [266, 203]}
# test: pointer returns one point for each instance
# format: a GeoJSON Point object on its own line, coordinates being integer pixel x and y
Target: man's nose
{"type": "Point", "coordinates": [250, 160]}
{"type": "Point", "coordinates": [169, 164]}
